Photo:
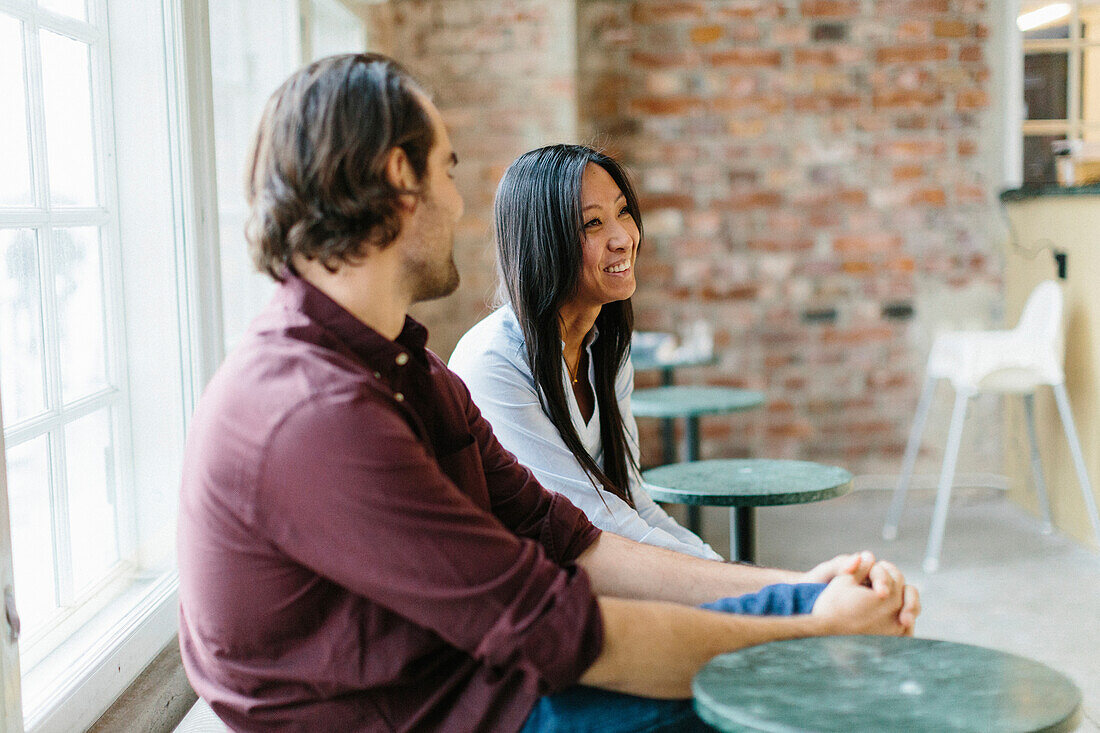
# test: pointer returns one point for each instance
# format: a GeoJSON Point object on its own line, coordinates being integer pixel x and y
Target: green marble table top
{"type": "Point", "coordinates": [746, 482]}
{"type": "Point", "coordinates": [881, 683]}
{"type": "Point", "coordinates": [689, 401]}
{"type": "Point", "coordinates": [644, 362]}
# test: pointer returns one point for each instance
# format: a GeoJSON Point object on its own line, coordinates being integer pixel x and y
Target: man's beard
{"type": "Point", "coordinates": [435, 282]}
{"type": "Point", "coordinates": [430, 276]}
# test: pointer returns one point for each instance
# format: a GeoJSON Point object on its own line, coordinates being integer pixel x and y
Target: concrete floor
{"type": "Point", "coordinates": [1001, 583]}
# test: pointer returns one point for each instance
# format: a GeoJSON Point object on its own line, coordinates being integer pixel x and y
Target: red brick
{"type": "Point", "coordinates": [950, 29]}
{"type": "Point", "coordinates": [657, 11]}
{"type": "Point", "coordinates": [970, 54]}
{"type": "Point", "coordinates": [830, 8]}
{"type": "Point", "coordinates": [704, 34]}
{"type": "Point", "coordinates": [780, 245]}
{"type": "Point", "coordinates": [754, 10]}
{"type": "Point", "coordinates": [844, 101]}
{"type": "Point", "coordinates": [666, 105]}
{"type": "Point", "coordinates": [907, 98]}
{"type": "Point", "coordinates": [663, 60]}
{"type": "Point", "coordinates": [653, 201]}
{"type": "Point", "coordinates": [902, 264]}
{"type": "Point", "coordinates": [852, 196]}
{"type": "Point", "coordinates": [929, 197]}
{"type": "Point", "coordinates": [824, 218]}
{"type": "Point", "coordinates": [815, 57]}
{"type": "Point", "coordinates": [911, 148]}
{"type": "Point", "coordinates": [911, 54]}
{"type": "Point", "coordinates": [860, 244]}
{"type": "Point", "coordinates": [971, 99]}
{"type": "Point", "coordinates": [751, 200]}
{"type": "Point", "coordinates": [914, 30]}
{"type": "Point", "coordinates": [752, 57]}
{"type": "Point", "coordinates": [797, 429]}
{"type": "Point", "coordinates": [856, 335]}
{"type": "Point", "coordinates": [966, 148]}
{"type": "Point", "coordinates": [907, 172]}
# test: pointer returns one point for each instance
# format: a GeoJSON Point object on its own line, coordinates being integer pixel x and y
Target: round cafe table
{"type": "Point", "coordinates": [743, 484]}
{"type": "Point", "coordinates": [690, 402]}
{"type": "Point", "coordinates": [882, 683]}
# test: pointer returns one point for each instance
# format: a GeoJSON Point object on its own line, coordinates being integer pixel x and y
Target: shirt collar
{"type": "Point", "coordinates": [371, 347]}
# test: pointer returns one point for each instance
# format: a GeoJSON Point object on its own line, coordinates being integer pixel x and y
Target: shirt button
{"type": "Point", "coordinates": [398, 396]}
{"type": "Point", "coordinates": [377, 375]}
{"type": "Point", "coordinates": [402, 359]}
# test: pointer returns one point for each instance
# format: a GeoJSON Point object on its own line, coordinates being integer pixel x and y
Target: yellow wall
{"type": "Point", "coordinates": [1070, 223]}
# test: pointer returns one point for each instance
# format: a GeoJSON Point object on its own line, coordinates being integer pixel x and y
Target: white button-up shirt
{"type": "Point", "coordinates": [492, 360]}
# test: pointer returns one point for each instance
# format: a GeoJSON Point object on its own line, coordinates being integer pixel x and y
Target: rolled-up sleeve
{"type": "Point", "coordinates": [374, 513]}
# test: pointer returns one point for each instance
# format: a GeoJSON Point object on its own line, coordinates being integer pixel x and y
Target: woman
{"type": "Point", "coordinates": [550, 369]}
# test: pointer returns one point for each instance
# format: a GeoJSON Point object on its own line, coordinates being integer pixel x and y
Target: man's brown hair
{"type": "Point", "coordinates": [316, 179]}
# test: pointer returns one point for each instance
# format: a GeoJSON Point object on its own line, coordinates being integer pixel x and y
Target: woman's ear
{"type": "Point", "coordinates": [400, 175]}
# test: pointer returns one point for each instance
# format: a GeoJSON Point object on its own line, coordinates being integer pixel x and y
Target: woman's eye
{"type": "Point", "coordinates": [625, 210]}
{"type": "Point", "coordinates": [591, 223]}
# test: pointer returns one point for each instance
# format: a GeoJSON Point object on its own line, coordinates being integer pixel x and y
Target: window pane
{"type": "Point", "coordinates": [1090, 85]}
{"type": "Point", "coordinates": [90, 466]}
{"type": "Point", "coordinates": [71, 8]}
{"type": "Point", "coordinates": [79, 282]}
{"type": "Point", "coordinates": [70, 148]}
{"type": "Point", "coordinates": [22, 364]}
{"type": "Point", "coordinates": [15, 184]}
{"type": "Point", "coordinates": [1038, 158]}
{"type": "Point", "coordinates": [31, 535]}
{"type": "Point", "coordinates": [1090, 20]}
{"type": "Point", "coordinates": [254, 46]}
{"type": "Point", "coordinates": [1045, 91]}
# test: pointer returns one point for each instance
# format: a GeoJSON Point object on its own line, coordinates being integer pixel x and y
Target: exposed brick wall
{"type": "Point", "coordinates": [503, 75]}
{"type": "Point", "coordinates": [811, 183]}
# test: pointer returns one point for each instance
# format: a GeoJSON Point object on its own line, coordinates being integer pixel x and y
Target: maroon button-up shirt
{"type": "Point", "coordinates": [356, 550]}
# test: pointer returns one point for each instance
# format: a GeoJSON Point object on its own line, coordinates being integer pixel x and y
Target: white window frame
{"type": "Point", "coordinates": [124, 647]}
{"type": "Point", "coordinates": [114, 397]}
{"type": "Point", "coordinates": [1074, 126]}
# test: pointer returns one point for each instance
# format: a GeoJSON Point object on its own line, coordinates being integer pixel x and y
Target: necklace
{"type": "Point", "coordinates": [573, 372]}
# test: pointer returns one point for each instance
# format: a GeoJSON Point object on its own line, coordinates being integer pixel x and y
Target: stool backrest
{"type": "Point", "coordinates": [1041, 321]}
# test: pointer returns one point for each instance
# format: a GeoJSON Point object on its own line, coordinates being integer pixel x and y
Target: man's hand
{"type": "Point", "coordinates": [848, 607]}
{"type": "Point", "coordinates": [882, 578]}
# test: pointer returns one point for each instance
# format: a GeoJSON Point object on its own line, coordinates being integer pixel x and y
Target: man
{"type": "Point", "coordinates": [357, 552]}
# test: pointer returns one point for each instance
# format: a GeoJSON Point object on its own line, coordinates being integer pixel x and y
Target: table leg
{"type": "Point", "coordinates": [668, 426]}
{"type": "Point", "coordinates": [691, 453]}
{"type": "Point", "coordinates": [743, 533]}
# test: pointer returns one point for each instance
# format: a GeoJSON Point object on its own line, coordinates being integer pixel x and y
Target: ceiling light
{"type": "Point", "coordinates": [1042, 16]}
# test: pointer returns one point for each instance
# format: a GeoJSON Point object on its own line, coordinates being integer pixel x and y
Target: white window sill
{"type": "Point", "coordinates": [69, 689]}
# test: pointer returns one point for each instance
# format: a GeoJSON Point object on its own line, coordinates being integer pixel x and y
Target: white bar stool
{"type": "Point", "coordinates": [1008, 362]}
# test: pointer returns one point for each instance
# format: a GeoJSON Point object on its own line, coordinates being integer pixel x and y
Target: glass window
{"type": "Point", "coordinates": [66, 86]}
{"type": "Point", "coordinates": [22, 351]}
{"type": "Point", "coordinates": [15, 184]}
{"type": "Point", "coordinates": [1061, 44]}
{"type": "Point", "coordinates": [91, 245]}
{"type": "Point", "coordinates": [1045, 90]}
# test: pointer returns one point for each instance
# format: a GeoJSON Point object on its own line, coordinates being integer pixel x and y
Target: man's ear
{"type": "Point", "coordinates": [399, 174]}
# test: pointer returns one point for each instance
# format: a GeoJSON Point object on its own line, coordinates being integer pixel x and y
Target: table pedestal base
{"type": "Point", "coordinates": [742, 533]}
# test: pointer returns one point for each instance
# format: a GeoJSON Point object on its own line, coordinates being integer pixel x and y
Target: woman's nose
{"type": "Point", "coordinates": [620, 238]}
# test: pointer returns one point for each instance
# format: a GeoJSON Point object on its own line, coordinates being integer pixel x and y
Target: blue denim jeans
{"type": "Point", "coordinates": [581, 709]}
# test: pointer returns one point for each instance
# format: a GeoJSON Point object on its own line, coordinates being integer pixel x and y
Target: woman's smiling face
{"type": "Point", "coordinates": [609, 241]}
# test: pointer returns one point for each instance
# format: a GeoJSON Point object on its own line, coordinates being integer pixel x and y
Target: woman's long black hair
{"type": "Point", "coordinates": [539, 232]}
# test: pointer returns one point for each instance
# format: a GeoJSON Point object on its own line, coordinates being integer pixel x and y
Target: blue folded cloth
{"type": "Point", "coordinates": [781, 599]}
